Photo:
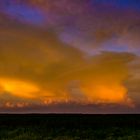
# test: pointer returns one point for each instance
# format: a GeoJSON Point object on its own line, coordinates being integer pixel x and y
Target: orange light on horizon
{"type": "Point", "coordinates": [113, 93]}
{"type": "Point", "coordinates": [19, 88]}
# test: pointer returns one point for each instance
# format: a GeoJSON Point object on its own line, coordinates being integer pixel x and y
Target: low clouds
{"type": "Point", "coordinates": [75, 56]}
{"type": "Point", "coordinates": [40, 58]}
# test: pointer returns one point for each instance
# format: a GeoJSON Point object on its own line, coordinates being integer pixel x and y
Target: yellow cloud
{"type": "Point", "coordinates": [19, 88]}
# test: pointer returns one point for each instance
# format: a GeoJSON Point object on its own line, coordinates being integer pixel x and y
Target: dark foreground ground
{"type": "Point", "coordinates": [69, 127]}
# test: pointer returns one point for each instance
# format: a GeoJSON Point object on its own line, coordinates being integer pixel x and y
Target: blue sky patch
{"type": "Point", "coordinates": [24, 13]}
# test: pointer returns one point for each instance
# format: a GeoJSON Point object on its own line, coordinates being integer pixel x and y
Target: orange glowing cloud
{"type": "Point", "coordinates": [18, 88]}
{"type": "Point", "coordinates": [39, 69]}
{"type": "Point", "coordinates": [108, 94]}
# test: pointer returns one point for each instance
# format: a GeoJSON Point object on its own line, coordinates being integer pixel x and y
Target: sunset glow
{"type": "Point", "coordinates": [54, 55]}
{"type": "Point", "coordinates": [16, 87]}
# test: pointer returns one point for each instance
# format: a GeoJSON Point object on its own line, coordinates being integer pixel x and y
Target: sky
{"type": "Point", "coordinates": [70, 56]}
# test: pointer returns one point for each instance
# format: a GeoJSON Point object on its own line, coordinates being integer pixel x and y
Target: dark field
{"type": "Point", "coordinates": [69, 127]}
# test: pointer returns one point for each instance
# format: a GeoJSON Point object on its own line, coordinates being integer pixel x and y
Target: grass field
{"type": "Point", "coordinates": [69, 127]}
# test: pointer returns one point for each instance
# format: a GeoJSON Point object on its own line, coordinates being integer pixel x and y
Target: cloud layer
{"type": "Point", "coordinates": [62, 53]}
